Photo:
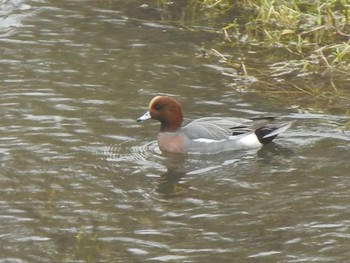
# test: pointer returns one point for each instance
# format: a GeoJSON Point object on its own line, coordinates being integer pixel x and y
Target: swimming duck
{"type": "Point", "coordinates": [210, 134]}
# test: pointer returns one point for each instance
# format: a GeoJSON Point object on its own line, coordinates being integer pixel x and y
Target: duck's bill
{"type": "Point", "coordinates": [144, 117]}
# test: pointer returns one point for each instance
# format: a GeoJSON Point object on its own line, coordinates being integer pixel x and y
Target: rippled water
{"type": "Point", "coordinates": [82, 181]}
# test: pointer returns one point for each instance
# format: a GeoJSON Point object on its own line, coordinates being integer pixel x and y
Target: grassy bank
{"type": "Point", "coordinates": [302, 28]}
{"type": "Point", "coordinates": [303, 46]}
{"type": "Point", "coordinates": [292, 51]}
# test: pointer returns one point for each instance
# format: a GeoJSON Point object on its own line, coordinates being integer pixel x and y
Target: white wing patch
{"type": "Point", "coordinates": [246, 140]}
{"type": "Point", "coordinates": [249, 140]}
{"type": "Point", "coordinates": [205, 140]}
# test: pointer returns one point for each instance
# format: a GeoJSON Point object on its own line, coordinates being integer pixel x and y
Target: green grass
{"type": "Point", "coordinates": [304, 46]}
{"type": "Point", "coordinates": [295, 52]}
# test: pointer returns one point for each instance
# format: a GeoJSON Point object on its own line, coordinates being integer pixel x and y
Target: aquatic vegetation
{"type": "Point", "coordinates": [303, 42]}
{"type": "Point", "coordinates": [294, 51]}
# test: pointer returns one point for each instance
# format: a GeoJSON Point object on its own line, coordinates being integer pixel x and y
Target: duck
{"type": "Point", "coordinates": [208, 135]}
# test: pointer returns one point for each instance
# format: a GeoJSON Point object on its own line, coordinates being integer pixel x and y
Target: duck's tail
{"type": "Point", "coordinates": [268, 134]}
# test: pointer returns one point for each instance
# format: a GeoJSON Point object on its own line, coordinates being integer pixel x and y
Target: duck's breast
{"type": "Point", "coordinates": [171, 142]}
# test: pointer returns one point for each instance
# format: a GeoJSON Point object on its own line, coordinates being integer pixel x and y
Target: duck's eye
{"type": "Point", "coordinates": [157, 107]}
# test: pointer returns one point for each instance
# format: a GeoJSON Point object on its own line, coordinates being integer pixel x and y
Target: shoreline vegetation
{"type": "Point", "coordinates": [312, 39]}
{"type": "Point", "coordinates": [296, 52]}
{"type": "Point", "coordinates": [306, 45]}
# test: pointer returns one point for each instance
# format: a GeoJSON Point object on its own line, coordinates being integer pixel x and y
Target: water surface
{"type": "Point", "coordinates": [82, 181]}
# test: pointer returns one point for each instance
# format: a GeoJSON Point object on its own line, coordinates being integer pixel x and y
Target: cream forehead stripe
{"type": "Point", "coordinates": [152, 101]}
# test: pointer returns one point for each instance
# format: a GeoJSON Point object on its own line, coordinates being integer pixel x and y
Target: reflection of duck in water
{"type": "Point", "coordinates": [172, 182]}
{"type": "Point", "coordinates": [207, 135]}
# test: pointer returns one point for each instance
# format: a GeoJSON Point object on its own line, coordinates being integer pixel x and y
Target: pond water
{"type": "Point", "coordinates": [82, 181]}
